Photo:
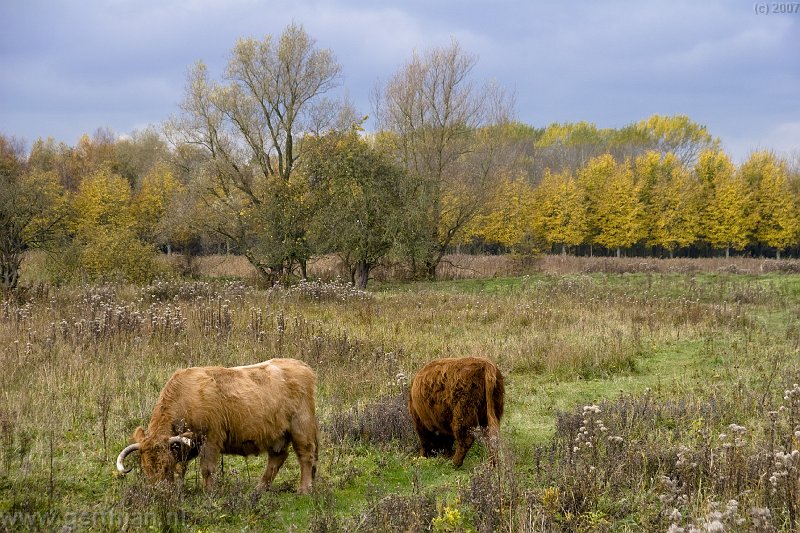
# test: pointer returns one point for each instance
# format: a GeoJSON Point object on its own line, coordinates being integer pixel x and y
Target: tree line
{"type": "Point", "coordinates": [265, 162]}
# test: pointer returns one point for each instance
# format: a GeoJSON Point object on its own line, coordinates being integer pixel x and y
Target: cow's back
{"type": "Point", "coordinates": [243, 409]}
{"type": "Point", "coordinates": [446, 388]}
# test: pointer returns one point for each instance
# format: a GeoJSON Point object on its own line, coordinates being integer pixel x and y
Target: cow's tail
{"type": "Point", "coordinates": [490, 378]}
{"type": "Point", "coordinates": [316, 452]}
{"type": "Point", "coordinates": [490, 384]}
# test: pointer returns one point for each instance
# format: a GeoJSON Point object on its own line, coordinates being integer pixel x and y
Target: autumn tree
{"type": "Point", "coordinates": [89, 155]}
{"type": "Point", "coordinates": [569, 146]}
{"type": "Point", "coordinates": [507, 217]}
{"type": "Point", "coordinates": [249, 126]}
{"type": "Point", "coordinates": [775, 208]}
{"type": "Point", "coordinates": [449, 140]}
{"type": "Point", "coordinates": [360, 199]}
{"type": "Point", "coordinates": [678, 135]}
{"type": "Point", "coordinates": [615, 214]}
{"type": "Point", "coordinates": [32, 209]}
{"type": "Point", "coordinates": [105, 244]}
{"type": "Point", "coordinates": [669, 194]}
{"type": "Point", "coordinates": [48, 156]}
{"type": "Point", "coordinates": [728, 212]}
{"type": "Point", "coordinates": [559, 211]}
{"type": "Point", "coordinates": [138, 154]}
{"type": "Point", "coordinates": [157, 191]}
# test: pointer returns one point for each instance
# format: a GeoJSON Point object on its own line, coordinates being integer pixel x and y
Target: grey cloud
{"type": "Point", "coordinates": [123, 63]}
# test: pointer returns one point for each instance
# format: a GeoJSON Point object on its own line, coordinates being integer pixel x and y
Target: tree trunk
{"type": "Point", "coordinates": [362, 274]}
{"type": "Point", "coordinates": [432, 263]}
{"type": "Point", "coordinates": [777, 254]}
{"type": "Point", "coordinates": [618, 252]}
{"type": "Point", "coordinates": [9, 270]}
{"type": "Point", "coordinates": [563, 249]}
{"type": "Point", "coordinates": [727, 252]}
{"type": "Point", "coordinates": [430, 269]}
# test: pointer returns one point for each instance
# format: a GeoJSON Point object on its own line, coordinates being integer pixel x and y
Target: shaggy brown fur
{"type": "Point", "coordinates": [246, 410]}
{"type": "Point", "coordinates": [451, 397]}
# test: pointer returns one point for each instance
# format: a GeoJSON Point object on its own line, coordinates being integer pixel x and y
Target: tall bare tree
{"type": "Point", "coordinates": [250, 125]}
{"type": "Point", "coordinates": [448, 138]}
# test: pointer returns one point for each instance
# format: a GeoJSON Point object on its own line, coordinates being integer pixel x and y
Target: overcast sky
{"type": "Point", "coordinates": [70, 67]}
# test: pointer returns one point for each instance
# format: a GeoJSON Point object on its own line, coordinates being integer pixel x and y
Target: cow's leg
{"type": "Point", "coordinates": [274, 463]}
{"type": "Point", "coordinates": [465, 417]}
{"type": "Point", "coordinates": [306, 455]}
{"type": "Point", "coordinates": [180, 469]}
{"type": "Point", "coordinates": [443, 444]}
{"type": "Point", "coordinates": [429, 443]}
{"type": "Point", "coordinates": [427, 439]}
{"type": "Point", "coordinates": [464, 440]}
{"type": "Point", "coordinates": [209, 458]}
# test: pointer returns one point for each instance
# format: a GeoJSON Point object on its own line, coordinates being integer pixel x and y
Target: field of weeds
{"type": "Point", "coordinates": [643, 401]}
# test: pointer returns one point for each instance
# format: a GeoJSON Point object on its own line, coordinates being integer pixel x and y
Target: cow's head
{"type": "Point", "coordinates": [159, 454]}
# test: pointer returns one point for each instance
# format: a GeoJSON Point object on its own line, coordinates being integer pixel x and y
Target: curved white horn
{"type": "Point", "coordinates": [124, 453]}
{"type": "Point", "coordinates": [183, 440]}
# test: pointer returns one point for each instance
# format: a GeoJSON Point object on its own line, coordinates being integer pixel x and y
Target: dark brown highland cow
{"type": "Point", "coordinates": [450, 398]}
{"type": "Point", "coordinates": [244, 410]}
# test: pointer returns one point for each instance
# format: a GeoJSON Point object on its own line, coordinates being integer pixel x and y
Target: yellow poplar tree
{"type": "Point", "coordinates": [775, 207]}
{"type": "Point", "coordinates": [615, 215]}
{"type": "Point", "coordinates": [507, 217]}
{"type": "Point", "coordinates": [103, 200]}
{"type": "Point", "coordinates": [728, 220]}
{"type": "Point", "coordinates": [104, 230]}
{"type": "Point", "coordinates": [670, 197]}
{"type": "Point", "coordinates": [592, 181]}
{"type": "Point", "coordinates": [559, 215]}
{"type": "Point", "coordinates": [677, 134]}
{"type": "Point", "coordinates": [709, 164]}
{"type": "Point", "coordinates": [150, 203]}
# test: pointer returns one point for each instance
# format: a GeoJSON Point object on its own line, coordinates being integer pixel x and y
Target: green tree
{"type": "Point", "coordinates": [249, 127]}
{"type": "Point", "coordinates": [32, 210]}
{"type": "Point", "coordinates": [359, 197]}
{"type": "Point", "coordinates": [136, 156]}
{"type": "Point", "coordinates": [776, 211]}
{"type": "Point", "coordinates": [47, 156]}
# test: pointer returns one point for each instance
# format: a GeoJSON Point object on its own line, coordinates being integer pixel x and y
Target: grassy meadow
{"type": "Point", "coordinates": [638, 398]}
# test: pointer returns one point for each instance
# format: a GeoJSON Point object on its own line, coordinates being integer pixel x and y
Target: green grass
{"type": "Point", "coordinates": [562, 341]}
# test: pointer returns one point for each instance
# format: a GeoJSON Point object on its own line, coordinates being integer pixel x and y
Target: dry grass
{"type": "Point", "coordinates": [561, 265]}
{"type": "Point", "coordinates": [82, 367]}
{"type": "Point", "coordinates": [462, 266]}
